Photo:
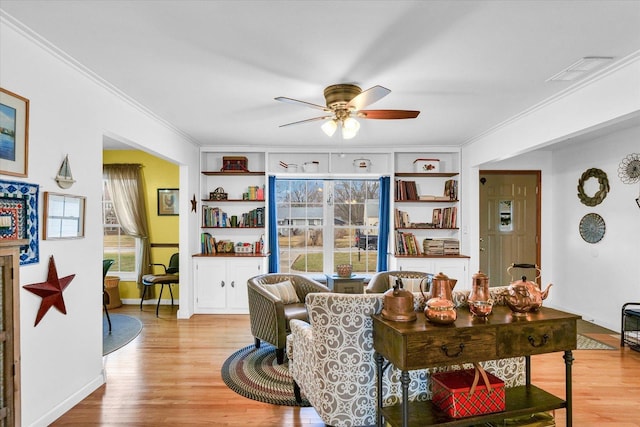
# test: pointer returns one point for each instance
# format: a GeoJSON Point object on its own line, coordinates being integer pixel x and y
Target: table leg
{"type": "Point", "coordinates": [404, 381]}
{"type": "Point", "coordinates": [379, 360]}
{"type": "Point", "coordinates": [568, 361]}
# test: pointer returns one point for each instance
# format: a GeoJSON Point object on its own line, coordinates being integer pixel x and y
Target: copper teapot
{"type": "Point", "coordinates": [480, 303]}
{"type": "Point", "coordinates": [398, 304]}
{"type": "Point", "coordinates": [439, 306]}
{"type": "Point", "coordinates": [525, 296]}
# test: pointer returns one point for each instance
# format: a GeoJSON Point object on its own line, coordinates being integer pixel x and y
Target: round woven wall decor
{"type": "Point", "coordinates": [597, 198]}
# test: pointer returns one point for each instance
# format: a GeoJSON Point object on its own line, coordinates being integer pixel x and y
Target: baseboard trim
{"type": "Point", "coordinates": [70, 402]}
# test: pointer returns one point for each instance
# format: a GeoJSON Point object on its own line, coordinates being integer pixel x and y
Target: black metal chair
{"type": "Point", "coordinates": [169, 277]}
{"type": "Point", "coordinates": [106, 265]}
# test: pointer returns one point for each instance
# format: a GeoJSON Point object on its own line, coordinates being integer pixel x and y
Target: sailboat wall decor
{"type": "Point", "coordinates": [64, 177]}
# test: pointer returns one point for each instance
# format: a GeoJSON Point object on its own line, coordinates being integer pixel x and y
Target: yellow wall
{"type": "Point", "coordinates": [157, 173]}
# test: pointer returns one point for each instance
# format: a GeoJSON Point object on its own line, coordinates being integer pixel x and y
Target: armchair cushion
{"type": "Point", "coordinates": [380, 281]}
{"type": "Point", "coordinates": [285, 291]}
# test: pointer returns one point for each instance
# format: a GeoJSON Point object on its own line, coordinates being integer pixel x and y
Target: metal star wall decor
{"type": "Point", "coordinates": [50, 291]}
{"type": "Point", "coordinates": [194, 203]}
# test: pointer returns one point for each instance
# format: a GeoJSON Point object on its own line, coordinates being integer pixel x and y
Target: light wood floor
{"type": "Point", "coordinates": [170, 376]}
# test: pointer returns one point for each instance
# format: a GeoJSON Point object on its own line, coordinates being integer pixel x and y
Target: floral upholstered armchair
{"type": "Point", "coordinates": [275, 299]}
{"type": "Point", "coordinates": [332, 362]}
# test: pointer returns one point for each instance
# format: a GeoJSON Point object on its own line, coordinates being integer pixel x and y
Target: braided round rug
{"type": "Point", "coordinates": [254, 373]}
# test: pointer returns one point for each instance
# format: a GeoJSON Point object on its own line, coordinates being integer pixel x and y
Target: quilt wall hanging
{"type": "Point", "coordinates": [19, 217]}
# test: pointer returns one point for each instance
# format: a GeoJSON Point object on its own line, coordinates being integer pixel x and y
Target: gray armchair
{"type": "Point", "coordinates": [379, 282]}
{"type": "Point", "coordinates": [270, 314]}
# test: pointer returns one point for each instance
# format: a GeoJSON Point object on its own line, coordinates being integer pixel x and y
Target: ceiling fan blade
{"type": "Point", "coordinates": [368, 97]}
{"type": "Point", "coordinates": [304, 103]}
{"type": "Point", "coordinates": [387, 114]}
{"type": "Point", "coordinates": [315, 119]}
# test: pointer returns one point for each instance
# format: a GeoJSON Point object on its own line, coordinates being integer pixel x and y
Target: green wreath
{"type": "Point", "coordinates": [597, 198]}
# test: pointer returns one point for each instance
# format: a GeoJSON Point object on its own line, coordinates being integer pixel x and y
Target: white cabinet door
{"type": "Point", "coordinates": [210, 283]}
{"type": "Point", "coordinates": [238, 272]}
{"type": "Point", "coordinates": [221, 283]}
{"type": "Point", "coordinates": [455, 268]}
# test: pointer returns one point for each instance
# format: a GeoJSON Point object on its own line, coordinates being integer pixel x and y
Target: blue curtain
{"type": "Point", "coordinates": [383, 228]}
{"type": "Point", "coordinates": [274, 253]}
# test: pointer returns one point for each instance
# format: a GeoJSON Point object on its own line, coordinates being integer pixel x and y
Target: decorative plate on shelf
{"type": "Point", "coordinates": [592, 228]}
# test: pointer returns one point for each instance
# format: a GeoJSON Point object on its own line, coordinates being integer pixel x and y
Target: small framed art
{"type": "Point", "coordinates": [14, 134]}
{"type": "Point", "coordinates": [63, 216]}
{"type": "Point", "coordinates": [168, 201]}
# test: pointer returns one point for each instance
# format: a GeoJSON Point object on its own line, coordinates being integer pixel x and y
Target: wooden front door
{"type": "Point", "coordinates": [509, 222]}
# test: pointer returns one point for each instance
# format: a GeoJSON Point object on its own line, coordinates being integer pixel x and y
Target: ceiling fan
{"type": "Point", "coordinates": [345, 102]}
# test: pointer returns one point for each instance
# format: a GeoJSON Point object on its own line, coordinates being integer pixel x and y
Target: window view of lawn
{"type": "Point", "coordinates": [122, 250]}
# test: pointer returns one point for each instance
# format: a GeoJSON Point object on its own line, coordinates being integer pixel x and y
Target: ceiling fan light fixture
{"type": "Point", "coordinates": [350, 128]}
{"type": "Point", "coordinates": [329, 127]}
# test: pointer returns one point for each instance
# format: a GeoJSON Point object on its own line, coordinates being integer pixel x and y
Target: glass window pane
{"type": "Point", "coordinates": [118, 246]}
{"type": "Point", "coordinates": [352, 224]}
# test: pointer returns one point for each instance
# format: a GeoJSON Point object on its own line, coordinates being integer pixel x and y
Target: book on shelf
{"type": "Point", "coordinates": [445, 217]}
{"type": "Point", "coordinates": [401, 219]}
{"type": "Point", "coordinates": [441, 247]}
{"type": "Point", "coordinates": [451, 189]}
{"type": "Point", "coordinates": [253, 192]}
{"type": "Point", "coordinates": [216, 217]}
{"type": "Point", "coordinates": [207, 244]}
{"type": "Point", "coordinates": [407, 244]}
{"type": "Point", "coordinates": [406, 190]}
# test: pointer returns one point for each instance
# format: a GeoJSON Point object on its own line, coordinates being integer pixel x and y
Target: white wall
{"type": "Point", "coordinates": [69, 114]}
{"type": "Point", "coordinates": [531, 141]}
{"type": "Point", "coordinates": [594, 280]}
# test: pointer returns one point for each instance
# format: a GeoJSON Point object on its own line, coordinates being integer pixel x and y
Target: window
{"type": "Point", "coordinates": [123, 249]}
{"type": "Point", "coordinates": [323, 223]}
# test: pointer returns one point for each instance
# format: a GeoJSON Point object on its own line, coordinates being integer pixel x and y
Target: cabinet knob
{"type": "Point", "coordinates": [222, 283]}
{"type": "Point", "coordinates": [233, 284]}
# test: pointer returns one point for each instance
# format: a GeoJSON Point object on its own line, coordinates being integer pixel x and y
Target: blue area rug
{"type": "Point", "coordinates": [123, 330]}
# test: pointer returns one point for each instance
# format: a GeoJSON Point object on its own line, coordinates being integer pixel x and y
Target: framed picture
{"type": "Point", "coordinates": [168, 201]}
{"type": "Point", "coordinates": [14, 134]}
{"type": "Point", "coordinates": [63, 216]}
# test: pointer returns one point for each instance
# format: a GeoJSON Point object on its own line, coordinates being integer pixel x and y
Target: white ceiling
{"type": "Point", "coordinates": [213, 68]}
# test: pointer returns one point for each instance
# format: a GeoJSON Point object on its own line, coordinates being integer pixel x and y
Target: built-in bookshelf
{"type": "Point", "coordinates": [426, 213]}
{"type": "Point", "coordinates": [232, 204]}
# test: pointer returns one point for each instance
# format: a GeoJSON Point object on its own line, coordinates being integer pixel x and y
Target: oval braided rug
{"type": "Point", "coordinates": [254, 373]}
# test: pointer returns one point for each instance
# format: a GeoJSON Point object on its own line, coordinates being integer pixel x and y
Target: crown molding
{"type": "Point", "coordinates": [44, 44]}
{"type": "Point", "coordinates": [587, 81]}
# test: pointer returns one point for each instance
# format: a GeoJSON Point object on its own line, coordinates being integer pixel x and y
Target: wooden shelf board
{"type": "Point", "coordinates": [426, 175]}
{"type": "Point", "coordinates": [232, 173]}
{"type": "Point", "coordinates": [231, 254]}
{"type": "Point", "coordinates": [431, 256]}
{"type": "Point", "coordinates": [427, 201]}
{"type": "Point", "coordinates": [233, 200]}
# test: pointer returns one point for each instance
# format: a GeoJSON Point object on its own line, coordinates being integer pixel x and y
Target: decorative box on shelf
{"type": "Point", "coordinates": [426, 165]}
{"type": "Point", "coordinates": [235, 164]}
{"type": "Point", "coordinates": [243, 248]}
{"type": "Point", "coordinates": [218, 194]}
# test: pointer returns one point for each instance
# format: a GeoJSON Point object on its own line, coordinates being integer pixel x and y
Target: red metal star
{"type": "Point", "coordinates": [194, 203]}
{"type": "Point", "coordinates": [50, 291]}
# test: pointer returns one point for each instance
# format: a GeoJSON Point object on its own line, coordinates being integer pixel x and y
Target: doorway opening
{"type": "Point", "coordinates": [509, 212]}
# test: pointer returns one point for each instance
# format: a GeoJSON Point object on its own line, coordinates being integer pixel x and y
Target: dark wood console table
{"type": "Point", "coordinates": [421, 344]}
